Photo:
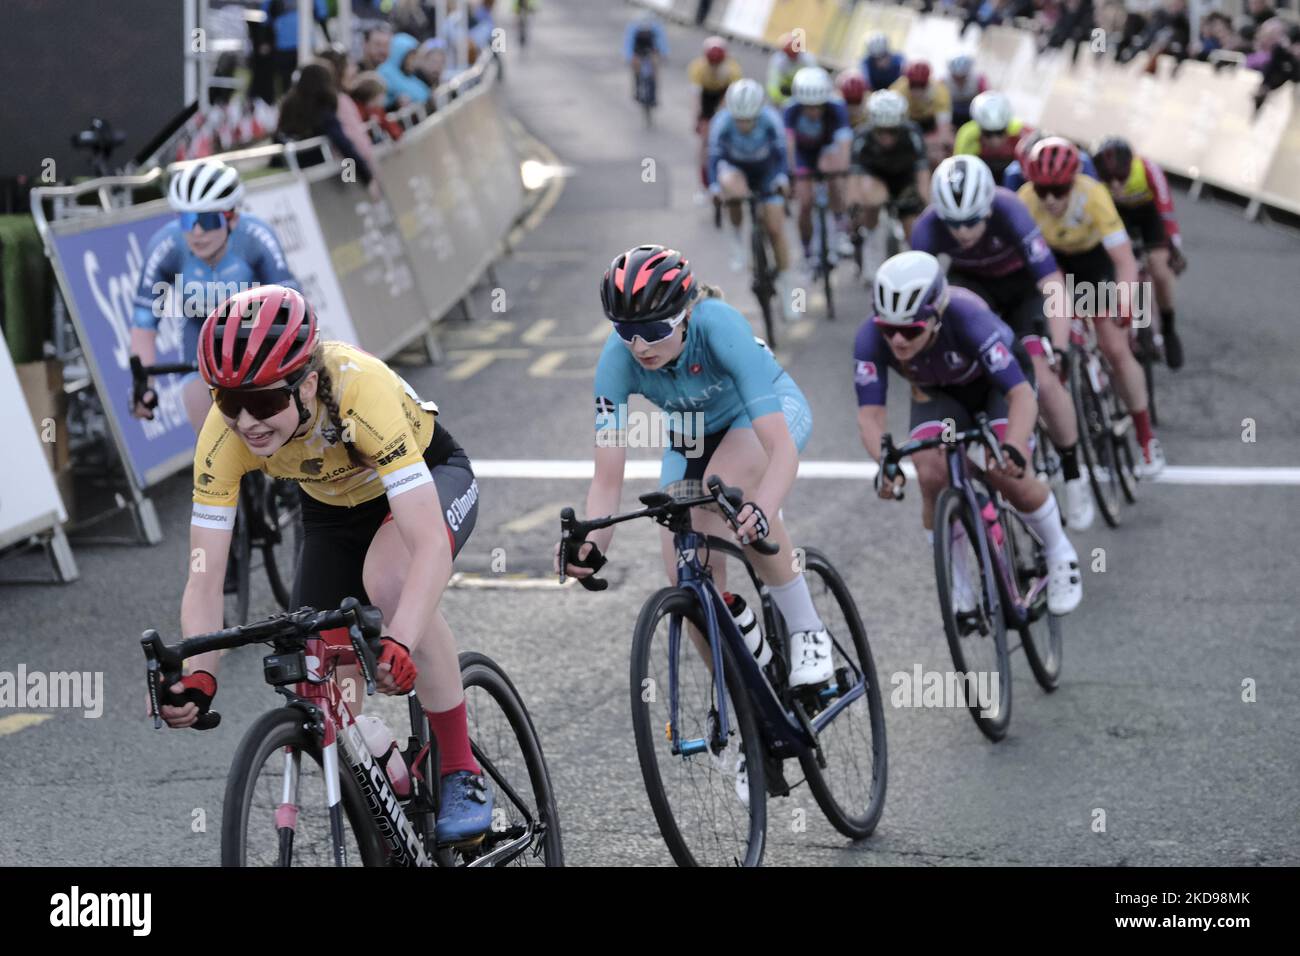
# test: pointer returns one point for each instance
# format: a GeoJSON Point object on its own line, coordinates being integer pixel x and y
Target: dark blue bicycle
{"type": "Point", "coordinates": [991, 574]}
{"type": "Point", "coordinates": [714, 726]}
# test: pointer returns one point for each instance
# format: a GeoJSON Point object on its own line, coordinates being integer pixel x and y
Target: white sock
{"type": "Point", "coordinates": [796, 606]}
{"type": "Point", "coordinates": [1046, 522]}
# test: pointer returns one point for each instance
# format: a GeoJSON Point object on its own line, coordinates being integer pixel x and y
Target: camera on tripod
{"type": "Point", "coordinates": [100, 140]}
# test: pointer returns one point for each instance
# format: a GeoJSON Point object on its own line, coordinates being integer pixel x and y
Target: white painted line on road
{"type": "Point", "coordinates": [643, 468]}
{"type": "Point", "coordinates": [17, 722]}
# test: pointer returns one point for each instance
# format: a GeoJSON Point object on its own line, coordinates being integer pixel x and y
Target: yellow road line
{"type": "Point", "coordinates": [546, 514]}
{"type": "Point", "coordinates": [17, 722]}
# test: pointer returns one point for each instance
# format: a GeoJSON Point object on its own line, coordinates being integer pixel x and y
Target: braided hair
{"type": "Point", "coordinates": [326, 396]}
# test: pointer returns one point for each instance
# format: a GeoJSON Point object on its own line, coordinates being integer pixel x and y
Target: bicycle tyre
{"type": "Point", "coordinates": [763, 290]}
{"type": "Point", "coordinates": [241, 560]}
{"type": "Point", "coordinates": [825, 262]}
{"type": "Point", "coordinates": [283, 543]}
{"type": "Point", "coordinates": [951, 506]}
{"type": "Point", "coordinates": [1096, 440]}
{"type": "Point", "coordinates": [855, 826]}
{"type": "Point", "coordinates": [480, 671]}
{"type": "Point", "coordinates": [681, 602]}
{"type": "Point", "coordinates": [1125, 451]}
{"type": "Point", "coordinates": [1042, 636]}
{"type": "Point", "coordinates": [275, 730]}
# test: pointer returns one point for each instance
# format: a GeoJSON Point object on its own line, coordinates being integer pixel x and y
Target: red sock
{"type": "Point", "coordinates": [451, 729]}
{"type": "Point", "coordinates": [1142, 425]}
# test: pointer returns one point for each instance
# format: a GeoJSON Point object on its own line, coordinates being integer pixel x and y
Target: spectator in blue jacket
{"type": "Point", "coordinates": [398, 73]}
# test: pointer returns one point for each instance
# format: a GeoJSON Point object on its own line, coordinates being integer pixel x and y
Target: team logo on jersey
{"type": "Point", "coordinates": [392, 456]}
{"type": "Point", "coordinates": [604, 406]}
{"type": "Point", "coordinates": [312, 466]}
{"type": "Point", "coordinates": [997, 357]}
{"type": "Point", "coordinates": [206, 479]}
{"type": "Point", "coordinates": [695, 368]}
{"type": "Point", "coordinates": [954, 359]}
{"type": "Point", "coordinates": [866, 373]}
{"type": "Point", "coordinates": [1038, 248]}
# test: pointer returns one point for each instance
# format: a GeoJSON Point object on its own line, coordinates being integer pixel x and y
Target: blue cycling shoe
{"type": "Point", "coordinates": [466, 810]}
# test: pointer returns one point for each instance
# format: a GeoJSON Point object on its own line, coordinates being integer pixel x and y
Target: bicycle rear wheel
{"type": "Point", "coordinates": [260, 827]}
{"type": "Point", "coordinates": [1123, 437]}
{"type": "Point", "coordinates": [239, 569]}
{"type": "Point", "coordinates": [525, 822]}
{"type": "Point", "coordinates": [1096, 438]}
{"type": "Point", "coordinates": [708, 811]}
{"type": "Point", "coordinates": [850, 788]}
{"type": "Point", "coordinates": [977, 638]}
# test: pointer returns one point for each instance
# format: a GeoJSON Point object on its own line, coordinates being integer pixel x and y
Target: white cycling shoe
{"type": "Point", "coordinates": [739, 254]}
{"type": "Point", "coordinates": [1153, 460]}
{"type": "Point", "coordinates": [810, 658]}
{"type": "Point", "coordinates": [1064, 586]}
{"type": "Point", "coordinates": [1079, 508]}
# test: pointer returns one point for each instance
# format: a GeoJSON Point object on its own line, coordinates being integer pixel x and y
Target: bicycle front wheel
{"type": "Point", "coordinates": [275, 811]}
{"type": "Point", "coordinates": [525, 823]}
{"type": "Point", "coordinates": [972, 616]}
{"type": "Point", "coordinates": [709, 798]}
{"type": "Point", "coordinates": [850, 788]}
{"type": "Point", "coordinates": [1041, 635]}
{"type": "Point", "coordinates": [1096, 439]}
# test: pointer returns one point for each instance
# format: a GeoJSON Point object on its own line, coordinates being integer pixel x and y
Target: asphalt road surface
{"type": "Point", "coordinates": [1197, 603]}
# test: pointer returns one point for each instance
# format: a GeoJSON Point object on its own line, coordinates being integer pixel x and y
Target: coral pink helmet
{"type": "Point", "coordinates": [257, 337]}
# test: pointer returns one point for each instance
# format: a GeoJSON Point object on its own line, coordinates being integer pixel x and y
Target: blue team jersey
{"type": "Point", "coordinates": [1012, 241]}
{"type": "Point", "coordinates": [253, 255]}
{"type": "Point", "coordinates": [882, 75]}
{"type": "Point", "coordinates": [762, 148]}
{"type": "Point", "coordinates": [1013, 178]}
{"type": "Point", "coordinates": [813, 133]}
{"type": "Point", "coordinates": [972, 343]}
{"type": "Point", "coordinates": [642, 38]}
{"type": "Point", "coordinates": [722, 372]}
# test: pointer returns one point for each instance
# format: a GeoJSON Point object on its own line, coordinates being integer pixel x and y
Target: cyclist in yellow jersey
{"type": "Point", "coordinates": [388, 500]}
{"type": "Point", "coordinates": [929, 106]}
{"type": "Point", "coordinates": [1081, 225]}
{"type": "Point", "coordinates": [711, 72]}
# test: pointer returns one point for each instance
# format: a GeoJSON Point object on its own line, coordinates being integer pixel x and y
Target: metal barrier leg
{"type": "Point", "coordinates": [65, 566]}
{"type": "Point", "coordinates": [432, 347]}
{"type": "Point", "coordinates": [142, 510]}
{"type": "Point", "coordinates": [1195, 190]}
{"type": "Point", "coordinates": [1252, 210]}
{"type": "Point", "coordinates": [465, 312]}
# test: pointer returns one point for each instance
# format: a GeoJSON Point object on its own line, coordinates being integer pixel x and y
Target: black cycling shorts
{"type": "Point", "coordinates": [336, 538]}
{"type": "Point", "coordinates": [1145, 223]}
{"type": "Point", "coordinates": [1014, 297]}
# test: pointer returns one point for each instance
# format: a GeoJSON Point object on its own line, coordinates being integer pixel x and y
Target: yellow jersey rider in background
{"type": "Point", "coordinates": [711, 73]}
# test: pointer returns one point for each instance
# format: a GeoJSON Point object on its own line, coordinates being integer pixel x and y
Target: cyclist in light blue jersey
{"type": "Point", "coordinates": [726, 408]}
{"type": "Point", "coordinates": [747, 155]}
{"type": "Point", "coordinates": [818, 138]}
{"type": "Point", "coordinates": [207, 255]}
{"type": "Point", "coordinates": [644, 40]}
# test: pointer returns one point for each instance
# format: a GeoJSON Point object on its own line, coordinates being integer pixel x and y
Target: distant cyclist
{"type": "Point", "coordinates": [881, 66]}
{"type": "Point", "coordinates": [783, 65]}
{"type": "Point", "coordinates": [991, 134]}
{"type": "Point", "coordinates": [964, 84]}
{"type": "Point", "coordinates": [852, 87]}
{"type": "Point", "coordinates": [929, 107]}
{"type": "Point", "coordinates": [1146, 205]}
{"type": "Point", "coordinates": [818, 137]}
{"type": "Point", "coordinates": [959, 359]}
{"type": "Point", "coordinates": [644, 42]}
{"type": "Point", "coordinates": [889, 164]}
{"type": "Point", "coordinates": [747, 155]}
{"type": "Point", "coordinates": [1091, 245]}
{"type": "Point", "coordinates": [208, 253]}
{"type": "Point", "coordinates": [711, 73]}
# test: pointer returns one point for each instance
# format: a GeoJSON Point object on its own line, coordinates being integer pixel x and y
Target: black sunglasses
{"type": "Point", "coordinates": [261, 403]}
{"type": "Point", "coordinates": [1057, 191]}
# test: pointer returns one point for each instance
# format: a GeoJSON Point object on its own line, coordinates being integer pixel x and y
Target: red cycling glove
{"type": "Point", "coordinates": [398, 658]}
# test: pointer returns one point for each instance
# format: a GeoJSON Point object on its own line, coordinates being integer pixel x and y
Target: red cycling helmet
{"type": "Point", "coordinates": [918, 74]}
{"type": "Point", "coordinates": [852, 86]}
{"type": "Point", "coordinates": [257, 337]}
{"type": "Point", "coordinates": [715, 50]}
{"type": "Point", "coordinates": [789, 46]}
{"type": "Point", "coordinates": [1053, 162]}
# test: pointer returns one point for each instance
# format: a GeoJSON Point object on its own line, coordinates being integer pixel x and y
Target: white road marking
{"type": "Point", "coordinates": [641, 468]}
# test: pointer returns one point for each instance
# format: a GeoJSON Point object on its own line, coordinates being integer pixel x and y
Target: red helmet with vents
{"type": "Point", "coordinates": [257, 337]}
{"type": "Point", "coordinates": [1053, 161]}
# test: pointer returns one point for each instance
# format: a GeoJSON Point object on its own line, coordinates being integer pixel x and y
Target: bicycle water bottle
{"type": "Point", "coordinates": [990, 513]}
{"type": "Point", "coordinates": [383, 746]}
{"type": "Point", "coordinates": [744, 617]}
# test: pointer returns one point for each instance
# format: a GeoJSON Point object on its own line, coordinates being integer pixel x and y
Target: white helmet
{"type": "Point", "coordinates": [745, 99]}
{"type": "Point", "coordinates": [886, 108]}
{"type": "Point", "coordinates": [962, 189]}
{"type": "Point", "coordinates": [961, 64]}
{"type": "Point", "coordinates": [208, 185]}
{"type": "Point", "coordinates": [910, 287]}
{"type": "Point", "coordinates": [992, 111]}
{"type": "Point", "coordinates": [812, 86]}
{"type": "Point", "coordinates": [877, 44]}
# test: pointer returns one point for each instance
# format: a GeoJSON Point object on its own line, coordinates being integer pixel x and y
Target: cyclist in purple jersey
{"type": "Point", "coordinates": [960, 359]}
{"type": "Point", "coordinates": [818, 137]}
{"type": "Point", "coordinates": [998, 252]}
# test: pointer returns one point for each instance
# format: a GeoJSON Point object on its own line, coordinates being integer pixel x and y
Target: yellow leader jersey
{"type": "Point", "coordinates": [1090, 218]}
